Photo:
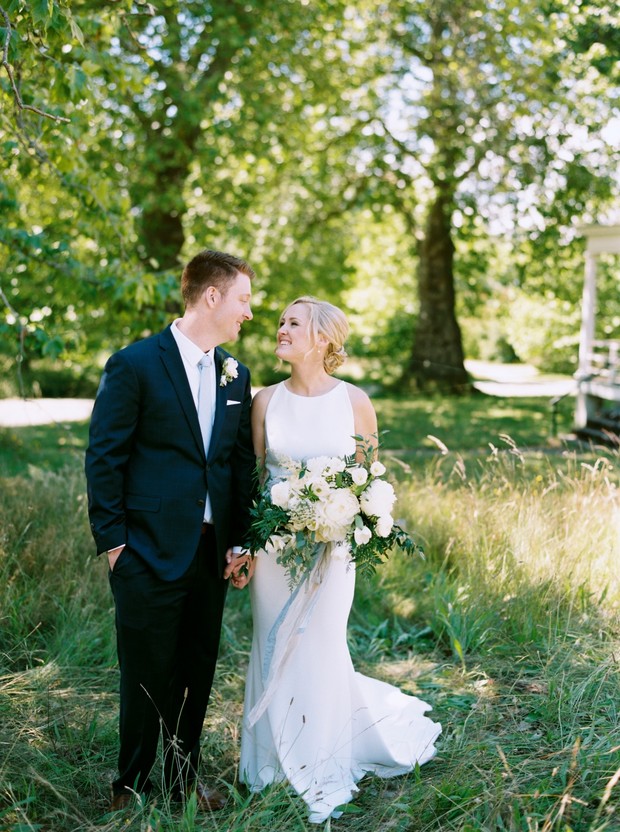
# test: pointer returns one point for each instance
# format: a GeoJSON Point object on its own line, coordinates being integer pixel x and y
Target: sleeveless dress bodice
{"type": "Point", "coordinates": [301, 427]}
{"type": "Point", "coordinates": [321, 726]}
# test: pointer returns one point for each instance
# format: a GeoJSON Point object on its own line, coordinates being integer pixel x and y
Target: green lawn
{"type": "Point", "coordinates": [470, 422]}
{"type": "Point", "coordinates": [45, 446]}
{"type": "Point", "coordinates": [462, 424]}
{"type": "Point", "coordinates": [509, 627]}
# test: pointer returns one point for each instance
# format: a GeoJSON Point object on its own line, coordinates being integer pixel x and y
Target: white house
{"type": "Point", "coordinates": [597, 410]}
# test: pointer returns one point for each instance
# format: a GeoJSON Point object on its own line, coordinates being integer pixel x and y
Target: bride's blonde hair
{"type": "Point", "coordinates": [330, 321]}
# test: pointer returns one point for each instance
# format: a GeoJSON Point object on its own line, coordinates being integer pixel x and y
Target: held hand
{"type": "Point", "coordinates": [240, 568]}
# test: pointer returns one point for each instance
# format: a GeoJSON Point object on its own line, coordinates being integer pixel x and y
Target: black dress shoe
{"type": "Point", "coordinates": [120, 801]}
{"type": "Point", "coordinates": [209, 800]}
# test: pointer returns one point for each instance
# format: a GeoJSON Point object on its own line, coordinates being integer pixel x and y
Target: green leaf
{"type": "Point", "coordinates": [41, 11]}
{"type": "Point", "coordinates": [76, 32]}
{"type": "Point", "coordinates": [77, 81]}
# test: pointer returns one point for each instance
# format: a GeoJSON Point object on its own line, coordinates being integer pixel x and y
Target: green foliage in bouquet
{"type": "Point", "coordinates": [343, 501]}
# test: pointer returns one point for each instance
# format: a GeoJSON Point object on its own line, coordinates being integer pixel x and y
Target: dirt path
{"type": "Point", "coordinates": [23, 412]}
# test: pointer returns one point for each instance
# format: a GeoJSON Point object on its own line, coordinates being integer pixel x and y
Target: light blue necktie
{"type": "Point", "coordinates": [205, 400]}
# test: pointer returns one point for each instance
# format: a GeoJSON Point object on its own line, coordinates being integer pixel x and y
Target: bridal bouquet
{"type": "Point", "coordinates": [328, 500]}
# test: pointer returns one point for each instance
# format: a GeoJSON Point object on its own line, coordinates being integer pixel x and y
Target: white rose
{"type": "Point", "coordinates": [378, 499]}
{"type": "Point", "coordinates": [377, 469]}
{"type": "Point", "coordinates": [363, 535]}
{"type": "Point", "coordinates": [384, 524]}
{"type": "Point", "coordinates": [280, 494]}
{"type": "Point", "coordinates": [230, 367]}
{"type": "Point", "coordinates": [359, 475]}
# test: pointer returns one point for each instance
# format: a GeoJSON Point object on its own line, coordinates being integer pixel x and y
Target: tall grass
{"type": "Point", "coordinates": [508, 627]}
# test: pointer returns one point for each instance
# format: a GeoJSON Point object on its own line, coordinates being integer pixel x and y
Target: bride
{"type": "Point", "coordinates": [309, 718]}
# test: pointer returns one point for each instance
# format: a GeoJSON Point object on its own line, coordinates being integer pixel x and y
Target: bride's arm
{"type": "Point", "coordinates": [365, 419]}
{"type": "Point", "coordinates": [241, 569]}
{"type": "Point", "coordinates": [259, 409]}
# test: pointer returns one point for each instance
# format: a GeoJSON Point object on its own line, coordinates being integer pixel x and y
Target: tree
{"type": "Point", "coordinates": [271, 129]}
{"type": "Point", "coordinates": [493, 98]}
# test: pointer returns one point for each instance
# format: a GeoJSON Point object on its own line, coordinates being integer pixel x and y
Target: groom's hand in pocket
{"type": "Point", "coordinates": [113, 555]}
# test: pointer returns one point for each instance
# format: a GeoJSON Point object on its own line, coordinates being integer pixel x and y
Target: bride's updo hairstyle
{"type": "Point", "coordinates": [329, 321]}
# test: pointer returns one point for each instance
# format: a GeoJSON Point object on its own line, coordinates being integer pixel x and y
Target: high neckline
{"type": "Point", "coordinates": [318, 396]}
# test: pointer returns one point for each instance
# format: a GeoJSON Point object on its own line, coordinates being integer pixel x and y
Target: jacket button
{"type": "Point", "coordinates": [206, 467]}
{"type": "Point", "coordinates": [200, 502]}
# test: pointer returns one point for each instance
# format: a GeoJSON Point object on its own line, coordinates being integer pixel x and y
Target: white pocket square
{"type": "Point", "coordinates": [231, 401]}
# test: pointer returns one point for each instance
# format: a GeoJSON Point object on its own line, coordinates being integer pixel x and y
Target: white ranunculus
{"type": "Point", "coordinates": [378, 499]}
{"type": "Point", "coordinates": [319, 486]}
{"type": "Point", "coordinates": [359, 475]}
{"type": "Point", "coordinates": [384, 524]}
{"type": "Point", "coordinates": [377, 469]}
{"type": "Point", "coordinates": [362, 535]}
{"type": "Point", "coordinates": [281, 494]}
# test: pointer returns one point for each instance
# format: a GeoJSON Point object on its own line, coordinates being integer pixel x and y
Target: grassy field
{"type": "Point", "coordinates": [509, 627]}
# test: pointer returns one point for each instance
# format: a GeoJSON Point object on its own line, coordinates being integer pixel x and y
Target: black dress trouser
{"type": "Point", "coordinates": [168, 635]}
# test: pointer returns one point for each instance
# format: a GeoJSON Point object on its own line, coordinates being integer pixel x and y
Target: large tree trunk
{"type": "Point", "coordinates": [159, 194]}
{"type": "Point", "coordinates": [437, 360]}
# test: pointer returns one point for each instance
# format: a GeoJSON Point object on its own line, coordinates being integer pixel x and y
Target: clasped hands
{"type": "Point", "coordinates": [240, 568]}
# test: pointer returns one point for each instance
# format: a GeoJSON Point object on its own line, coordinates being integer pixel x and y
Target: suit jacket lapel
{"type": "Point", "coordinates": [173, 363]}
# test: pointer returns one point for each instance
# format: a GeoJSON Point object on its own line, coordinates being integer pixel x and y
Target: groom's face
{"type": "Point", "coordinates": [233, 307]}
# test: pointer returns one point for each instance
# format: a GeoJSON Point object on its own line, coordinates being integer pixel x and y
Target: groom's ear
{"type": "Point", "coordinates": [211, 296]}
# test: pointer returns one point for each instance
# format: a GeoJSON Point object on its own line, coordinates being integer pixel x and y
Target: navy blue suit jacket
{"type": "Point", "coordinates": [146, 470]}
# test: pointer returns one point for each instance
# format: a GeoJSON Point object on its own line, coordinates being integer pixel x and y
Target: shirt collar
{"type": "Point", "coordinates": [191, 352]}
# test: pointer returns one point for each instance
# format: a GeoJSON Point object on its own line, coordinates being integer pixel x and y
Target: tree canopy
{"type": "Point", "coordinates": [424, 159]}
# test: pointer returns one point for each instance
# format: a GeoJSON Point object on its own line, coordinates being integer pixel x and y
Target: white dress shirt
{"type": "Point", "coordinates": [191, 355]}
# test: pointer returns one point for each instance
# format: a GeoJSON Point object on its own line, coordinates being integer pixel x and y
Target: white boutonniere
{"type": "Point", "coordinates": [229, 371]}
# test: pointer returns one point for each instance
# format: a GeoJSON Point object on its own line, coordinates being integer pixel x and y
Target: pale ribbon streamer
{"type": "Point", "coordinates": [290, 626]}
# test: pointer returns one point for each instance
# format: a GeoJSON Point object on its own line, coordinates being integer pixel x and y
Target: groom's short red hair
{"type": "Point", "coordinates": [211, 268]}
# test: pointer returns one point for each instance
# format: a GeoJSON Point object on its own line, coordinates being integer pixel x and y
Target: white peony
{"type": "Point", "coordinates": [359, 475]}
{"type": "Point", "coordinates": [336, 465]}
{"type": "Point", "coordinates": [384, 524]}
{"type": "Point", "coordinates": [378, 499]}
{"type": "Point", "coordinates": [281, 494]}
{"type": "Point", "coordinates": [318, 464]}
{"type": "Point", "coordinates": [377, 469]}
{"type": "Point", "coordinates": [336, 514]}
{"type": "Point", "coordinates": [363, 535]}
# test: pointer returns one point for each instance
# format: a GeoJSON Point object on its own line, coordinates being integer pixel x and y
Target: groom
{"type": "Point", "coordinates": [169, 469]}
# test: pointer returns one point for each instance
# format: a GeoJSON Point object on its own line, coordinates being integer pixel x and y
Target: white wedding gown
{"type": "Point", "coordinates": [320, 725]}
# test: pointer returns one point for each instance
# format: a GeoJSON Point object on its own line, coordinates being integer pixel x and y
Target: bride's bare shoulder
{"type": "Point", "coordinates": [359, 398]}
{"type": "Point", "coordinates": [263, 397]}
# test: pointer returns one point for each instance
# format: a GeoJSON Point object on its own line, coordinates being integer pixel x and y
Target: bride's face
{"type": "Point", "coordinates": [295, 342]}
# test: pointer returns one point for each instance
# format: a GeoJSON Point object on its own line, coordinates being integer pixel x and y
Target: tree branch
{"type": "Point", "coordinates": [9, 71]}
